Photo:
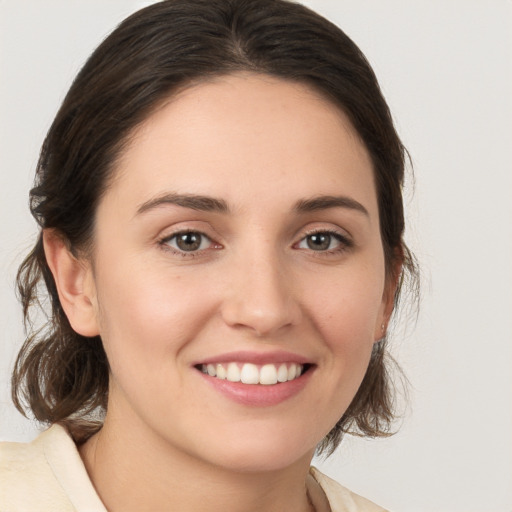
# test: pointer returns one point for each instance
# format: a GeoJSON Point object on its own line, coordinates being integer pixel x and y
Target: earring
{"type": "Point", "coordinates": [383, 337]}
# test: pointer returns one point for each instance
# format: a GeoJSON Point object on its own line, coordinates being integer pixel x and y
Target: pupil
{"type": "Point", "coordinates": [319, 241]}
{"type": "Point", "coordinates": [189, 241]}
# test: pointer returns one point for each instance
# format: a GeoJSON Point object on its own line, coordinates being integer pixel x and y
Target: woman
{"type": "Point", "coordinates": [221, 240]}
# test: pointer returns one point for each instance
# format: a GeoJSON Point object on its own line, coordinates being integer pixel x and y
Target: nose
{"type": "Point", "coordinates": [260, 296]}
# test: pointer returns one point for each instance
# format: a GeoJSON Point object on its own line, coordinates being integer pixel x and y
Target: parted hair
{"type": "Point", "coordinates": [61, 376]}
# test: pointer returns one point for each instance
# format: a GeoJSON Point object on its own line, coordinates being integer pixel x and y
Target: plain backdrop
{"type": "Point", "coordinates": [445, 67]}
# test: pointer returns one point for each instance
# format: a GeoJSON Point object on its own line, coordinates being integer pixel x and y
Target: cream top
{"type": "Point", "coordinates": [48, 475]}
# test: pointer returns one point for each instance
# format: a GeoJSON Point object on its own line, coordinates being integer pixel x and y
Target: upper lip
{"type": "Point", "coordinates": [274, 357]}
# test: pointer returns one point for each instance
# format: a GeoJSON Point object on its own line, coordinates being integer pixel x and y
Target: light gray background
{"type": "Point", "coordinates": [446, 70]}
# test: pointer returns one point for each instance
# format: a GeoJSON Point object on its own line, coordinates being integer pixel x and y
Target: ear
{"type": "Point", "coordinates": [75, 284]}
{"type": "Point", "coordinates": [388, 301]}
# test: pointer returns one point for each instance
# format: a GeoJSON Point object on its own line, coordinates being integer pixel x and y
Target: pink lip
{"type": "Point", "coordinates": [275, 357]}
{"type": "Point", "coordinates": [257, 395]}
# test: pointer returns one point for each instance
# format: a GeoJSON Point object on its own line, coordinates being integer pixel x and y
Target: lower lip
{"type": "Point", "coordinates": [258, 395]}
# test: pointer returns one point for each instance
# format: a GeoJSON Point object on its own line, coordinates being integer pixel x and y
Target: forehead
{"type": "Point", "coordinates": [245, 136]}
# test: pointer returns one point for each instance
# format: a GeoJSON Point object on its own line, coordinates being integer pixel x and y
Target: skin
{"type": "Point", "coordinates": [261, 145]}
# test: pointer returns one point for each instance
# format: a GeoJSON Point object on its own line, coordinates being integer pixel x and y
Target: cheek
{"type": "Point", "coordinates": [145, 325]}
{"type": "Point", "coordinates": [145, 319]}
{"type": "Point", "coordinates": [345, 311]}
{"type": "Point", "coordinates": [346, 308]}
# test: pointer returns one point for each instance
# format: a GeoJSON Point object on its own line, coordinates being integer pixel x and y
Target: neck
{"type": "Point", "coordinates": [160, 477]}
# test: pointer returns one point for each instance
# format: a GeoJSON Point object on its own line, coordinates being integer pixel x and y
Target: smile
{"type": "Point", "coordinates": [249, 373]}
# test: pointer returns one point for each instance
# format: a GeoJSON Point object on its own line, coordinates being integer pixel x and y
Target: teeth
{"type": "Point", "coordinates": [268, 375]}
{"type": "Point", "coordinates": [233, 373]}
{"type": "Point", "coordinates": [221, 372]}
{"type": "Point", "coordinates": [282, 373]}
{"type": "Point", "coordinates": [249, 373]}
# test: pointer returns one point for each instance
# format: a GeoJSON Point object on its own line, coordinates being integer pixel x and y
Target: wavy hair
{"type": "Point", "coordinates": [61, 376]}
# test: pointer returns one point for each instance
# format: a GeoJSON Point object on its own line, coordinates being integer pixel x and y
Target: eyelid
{"type": "Point", "coordinates": [345, 240]}
{"type": "Point", "coordinates": [329, 229]}
{"type": "Point", "coordinates": [163, 242]}
{"type": "Point", "coordinates": [187, 226]}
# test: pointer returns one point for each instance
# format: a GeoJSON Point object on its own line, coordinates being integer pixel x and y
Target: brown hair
{"type": "Point", "coordinates": [62, 376]}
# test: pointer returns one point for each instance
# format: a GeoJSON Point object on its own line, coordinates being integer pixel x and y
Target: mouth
{"type": "Point", "coordinates": [256, 379]}
{"type": "Point", "coordinates": [267, 374]}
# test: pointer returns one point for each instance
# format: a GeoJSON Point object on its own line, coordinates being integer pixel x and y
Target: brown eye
{"type": "Point", "coordinates": [319, 241]}
{"type": "Point", "coordinates": [188, 241]}
{"type": "Point", "coordinates": [325, 241]}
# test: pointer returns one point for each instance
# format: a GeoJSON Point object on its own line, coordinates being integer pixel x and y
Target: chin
{"type": "Point", "coordinates": [261, 452]}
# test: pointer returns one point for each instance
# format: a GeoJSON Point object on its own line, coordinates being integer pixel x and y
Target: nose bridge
{"type": "Point", "coordinates": [260, 296]}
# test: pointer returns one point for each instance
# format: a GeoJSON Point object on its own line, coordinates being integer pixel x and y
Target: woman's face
{"type": "Point", "coordinates": [240, 238]}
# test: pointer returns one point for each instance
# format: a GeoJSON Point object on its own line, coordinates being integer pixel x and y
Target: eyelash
{"type": "Point", "coordinates": [344, 243]}
{"type": "Point", "coordinates": [165, 243]}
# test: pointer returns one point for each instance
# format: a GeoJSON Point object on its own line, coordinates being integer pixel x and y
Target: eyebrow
{"type": "Point", "coordinates": [212, 204]}
{"type": "Point", "coordinates": [192, 201]}
{"type": "Point", "coordinates": [325, 202]}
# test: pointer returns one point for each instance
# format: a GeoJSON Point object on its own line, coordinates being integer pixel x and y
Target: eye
{"type": "Point", "coordinates": [324, 241]}
{"type": "Point", "coordinates": [188, 241]}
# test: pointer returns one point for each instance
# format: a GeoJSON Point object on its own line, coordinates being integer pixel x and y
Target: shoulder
{"type": "Point", "coordinates": [27, 480]}
{"type": "Point", "coordinates": [340, 498]}
{"type": "Point", "coordinates": [45, 475]}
